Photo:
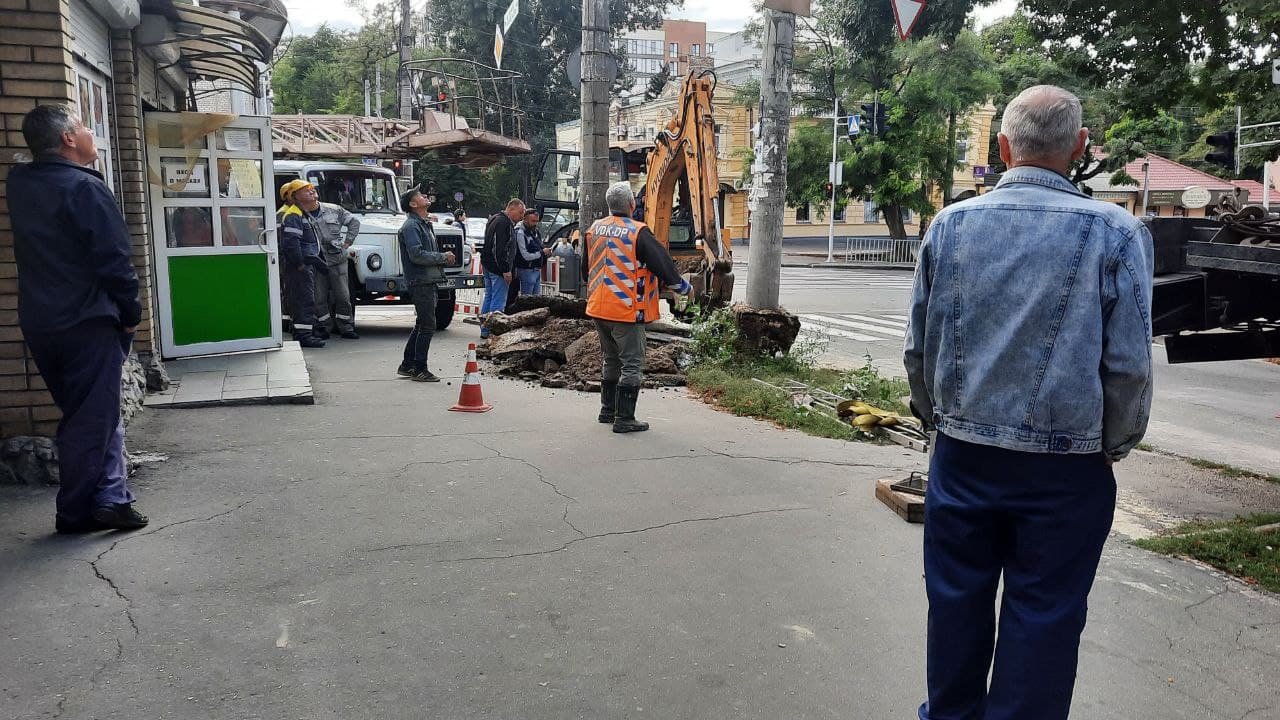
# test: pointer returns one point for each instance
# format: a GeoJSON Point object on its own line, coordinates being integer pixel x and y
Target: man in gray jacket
{"type": "Point", "coordinates": [335, 229]}
{"type": "Point", "coordinates": [423, 270]}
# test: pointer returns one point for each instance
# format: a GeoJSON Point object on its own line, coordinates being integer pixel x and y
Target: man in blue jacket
{"type": "Point", "coordinates": [300, 256]}
{"type": "Point", "coordinates": [78, 308]}
{"type": "Point", "coordinates": [1029, 349]}
{"type": "Point", "coordinates": [423, 271]}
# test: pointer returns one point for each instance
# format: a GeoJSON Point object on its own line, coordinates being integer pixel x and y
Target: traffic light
{"type": "Point", "coordinates": [1225, 155]}
{"type": "Point", "coordinates": [875, 118]}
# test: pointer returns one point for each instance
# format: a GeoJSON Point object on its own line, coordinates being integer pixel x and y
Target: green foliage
{"type": "Point", "coordinates": [1232, 546]}
{"type": "Point", "coordinates": [715, 337]}
{"type": "Point", "coordinates": [657, 83]}
{"type": "Point", "coordinates": [867, 384]}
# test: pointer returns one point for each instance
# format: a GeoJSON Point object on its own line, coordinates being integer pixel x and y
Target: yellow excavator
{"type": "Point", "coordinates": [679, 187]}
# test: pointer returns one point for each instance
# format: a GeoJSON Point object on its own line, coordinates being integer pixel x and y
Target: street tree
{"type": "Point", "coordinates": [657, 83]}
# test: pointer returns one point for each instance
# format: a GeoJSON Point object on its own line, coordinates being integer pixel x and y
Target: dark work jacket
{"type": "Point", "coordinates": [499, 251]}
{"type": "Point", "coordinates": [72, 248]}
{"type": "Point", "coordinates": [532, 242]}
{"type": "Point", "coordinates": [298, 238]}
{"type": "Point", "coordinates": [419, 253]}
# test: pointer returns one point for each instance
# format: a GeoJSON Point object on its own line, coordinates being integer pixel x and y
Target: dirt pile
{"type": "Point", "coordinates": [550, 341]}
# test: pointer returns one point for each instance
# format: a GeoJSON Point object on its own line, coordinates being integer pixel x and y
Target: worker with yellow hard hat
{"type": "Point", "coordinates": [300, 257]}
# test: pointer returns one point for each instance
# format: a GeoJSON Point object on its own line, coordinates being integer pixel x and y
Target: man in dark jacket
{"type": "Point", "coordinates": [300, 255]}
{"type": "Point", "coordinates": [530, 255]}
{"type": "Point", "coordinates": [498, 257]}
{"type": "Point", "coordinates": [423, 270]}
{"type": "Point", "coordinates": [78, 307]}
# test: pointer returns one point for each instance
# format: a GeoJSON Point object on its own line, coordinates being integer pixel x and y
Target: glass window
{"type": "Point", "coordinates": [711, 48]}
{"type": "Point", "coordinates": [559, 179]}
{"type": "Point", "coordinates": [802, 213]}
{"type": "Point", "coordinates": [171, 134]}
{"type": "Point", "coordinates": [242, 226]}
{"type": "Point", "coordinates": [239, 139]}
{"type": "Point", "coordinates": [239, 178]}
{"type": "Point", "coordinates": [870, 213]}
{"type": "Point", "coordinates": [673, 49]}
{"type": "Point", "coordinates": [674, 68]}
{"type": "Point", "coordinates": [840, 213]}
{"type": "Point", "coordinates": [695, 49]}
{"type": "Point", "coordinates": [360, 191]}
{"type": "Point", "coordinates": [184, 178]}
{"type": "Point", "coordinates": [188, 227]}
{"type": "Point", "coordinates": [655, 47]}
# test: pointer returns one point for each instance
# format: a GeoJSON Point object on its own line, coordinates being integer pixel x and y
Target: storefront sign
{"type": "Point", "coordinates": [1195, 197]}
{"type": "Point", "coordinates": [185, 179]}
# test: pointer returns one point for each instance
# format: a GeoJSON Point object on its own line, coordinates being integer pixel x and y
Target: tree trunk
{"type": "Point", "coordinates": [948, 177]}
{"type": "Point", "coordinates": [893, 218]}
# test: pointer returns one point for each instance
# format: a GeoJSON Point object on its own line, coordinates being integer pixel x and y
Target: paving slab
{"type": "Point", "coordinates": [265, 377]}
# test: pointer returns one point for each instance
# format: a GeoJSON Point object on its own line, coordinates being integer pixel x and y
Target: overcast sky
{"type": "Point", "coordinates": [306, 15]}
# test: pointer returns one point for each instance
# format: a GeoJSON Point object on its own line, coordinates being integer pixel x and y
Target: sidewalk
{"type": "Point", "coordinates": [375, 556]}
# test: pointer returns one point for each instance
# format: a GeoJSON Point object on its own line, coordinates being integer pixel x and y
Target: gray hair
{"type": "Point", "coordinates": [44, 126]}
{"type": "Point", "coordinates": [1042, 122]}
{"type": "Point", "coordinates": [619, 198]}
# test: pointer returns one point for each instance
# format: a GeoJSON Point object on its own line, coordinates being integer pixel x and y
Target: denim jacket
{"type": "Point", "coordinates": [1030, 321]}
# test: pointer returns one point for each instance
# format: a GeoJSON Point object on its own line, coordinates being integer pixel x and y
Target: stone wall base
{"type": "Point", "coordinates": [34, 460]}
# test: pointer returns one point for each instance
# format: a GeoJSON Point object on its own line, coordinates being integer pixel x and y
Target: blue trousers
{"type": "Point", "coordinates": [530, 281]}
{"type": "Point", "coordinates": [495, 296]}
{"type": "Point", "coordinates": [1039, 521]}
{"type": "Point", "coordinates": [81, 367]}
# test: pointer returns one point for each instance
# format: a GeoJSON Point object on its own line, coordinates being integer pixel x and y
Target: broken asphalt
{"type": "Point", "coordinates": [375, 556]}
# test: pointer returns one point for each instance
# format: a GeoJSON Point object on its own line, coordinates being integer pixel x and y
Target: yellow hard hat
{"type": "Point", "coordinates": [288, 189]}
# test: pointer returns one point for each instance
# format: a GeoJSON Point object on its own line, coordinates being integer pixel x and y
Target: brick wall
{"type": "Point", "coordinates": [35, 67]}
{"type": "Point", "coordinates": [131, 165]}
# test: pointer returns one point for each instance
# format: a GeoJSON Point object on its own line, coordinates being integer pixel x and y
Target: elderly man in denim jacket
{"type": "Point", "coordinates": [1029, 349]}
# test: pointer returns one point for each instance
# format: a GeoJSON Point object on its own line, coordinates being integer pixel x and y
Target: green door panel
{"type": "Point", "coordinates": [215, 298]}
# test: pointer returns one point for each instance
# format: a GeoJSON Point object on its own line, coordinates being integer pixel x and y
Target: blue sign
{"type": "Point", "coordinates": [369, 161]}
{"type": "Point", "coordinates": [855, 125]}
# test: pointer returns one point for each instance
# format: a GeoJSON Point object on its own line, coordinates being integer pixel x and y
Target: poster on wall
{"type": "Point", "coordinates": [86, 107]}
{"type": "Point", "coordinates": [181, 178]}
{"type": "Point", "coordinates": [99, 125]}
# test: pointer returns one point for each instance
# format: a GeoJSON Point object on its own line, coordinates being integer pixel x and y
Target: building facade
{"type": "Point", "coordinates": [113, 61]}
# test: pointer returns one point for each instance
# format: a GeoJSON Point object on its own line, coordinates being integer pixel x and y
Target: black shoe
{"type": "Point", "coordinates": [77, 527]}
{"type": "Point", "coordinates": [425, 376]}
{"type": "Point", "coordinates": [349, 335]}
{"type": "Point", "coordinates": [322, 334]}
{"type": "Point", "coordinates": [121, 516]}
{"type": "Point", "coordinates": [406, 370]}
{"type": "Point", "coordinates": [624, 419]}
{"type": "Point", "coordinates": [310, 341]}
{"type": "Point", "coordinates": [608, 401]}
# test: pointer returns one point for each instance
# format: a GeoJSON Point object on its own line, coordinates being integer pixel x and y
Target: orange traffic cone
{"type": "Point", "coordinates": [471, 399]}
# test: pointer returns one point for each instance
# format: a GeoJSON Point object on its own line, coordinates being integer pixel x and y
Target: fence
{"type": "Point", "coordinates": [880, 251]}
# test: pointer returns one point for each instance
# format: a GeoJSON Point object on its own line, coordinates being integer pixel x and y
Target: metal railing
{"type": "Point", "coordinates": [879, 251]}
{"type": "Point", "coordinates": [481, 97]}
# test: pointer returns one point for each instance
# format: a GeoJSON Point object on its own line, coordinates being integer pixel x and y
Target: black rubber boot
{"type": "Point", "coordinates": [624, 418]}
{"type": "Point", "coordinates": [608, 400]}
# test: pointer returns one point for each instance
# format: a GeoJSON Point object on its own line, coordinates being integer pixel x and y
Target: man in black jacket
{"type": "Point", "coordinates": [78, 307]}
{"type": "Point", "coordinates": [497, 257]}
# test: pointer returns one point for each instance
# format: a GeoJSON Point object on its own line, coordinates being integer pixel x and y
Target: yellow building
{"type": "Point", "coordinates": [641, 122]}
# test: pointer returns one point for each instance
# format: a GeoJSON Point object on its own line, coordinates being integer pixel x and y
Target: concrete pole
{"type": "Point", "coordinates": [404, 108]}
{"type": "Point", "coordinates": [595, 112]}
{"type": "Point", "coordinates": [831, 216]}
{"type": "Point", "coordinates": [366, 97]}
{"type": "Point", "coordinates": [769, 185]}
{"type": "Point", "coordinates": [377, 88]}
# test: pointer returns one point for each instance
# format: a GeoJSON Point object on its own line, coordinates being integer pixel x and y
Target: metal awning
{"type": "Point", "coordinates": [212, 44]}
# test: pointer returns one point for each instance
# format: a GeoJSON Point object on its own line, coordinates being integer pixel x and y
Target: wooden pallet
{"type": "Point", "coordinates": [909, 507]}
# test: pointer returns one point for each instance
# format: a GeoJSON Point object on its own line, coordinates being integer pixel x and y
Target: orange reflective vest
{"type": "Point", "coordinates": [619, 288]}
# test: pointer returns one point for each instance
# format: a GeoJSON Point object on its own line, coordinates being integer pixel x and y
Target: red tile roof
{"type": "Point", "coordinates": [1169, 175]}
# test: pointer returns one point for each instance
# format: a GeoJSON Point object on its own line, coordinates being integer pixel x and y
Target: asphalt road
{"type": "Point", "coordinates": [1225, 412]}
{"type": "Point", "coordinates": [377, 557]}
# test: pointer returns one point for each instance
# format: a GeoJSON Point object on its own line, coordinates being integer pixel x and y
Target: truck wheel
{"type": "Point", "coordinates": [444, 309]}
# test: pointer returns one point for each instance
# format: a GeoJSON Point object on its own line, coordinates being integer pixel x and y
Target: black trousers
{"type": "Point", "coordinates": [424, 305]}
{"type": "Point", "coordinates": [81, 368]}
{"type": "Point", "coordinates": [301, 288]}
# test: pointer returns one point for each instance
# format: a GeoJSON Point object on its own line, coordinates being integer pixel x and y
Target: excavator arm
{"type": "Point", "coordinates": [682, 166]}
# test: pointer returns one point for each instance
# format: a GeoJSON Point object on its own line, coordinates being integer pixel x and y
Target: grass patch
{"type": "Point", "coordinates": [1231, 471]}
{"type": "Point", "coordinates": [1231, 546]}
{"type": "Point", "coordinates": [722, 376]}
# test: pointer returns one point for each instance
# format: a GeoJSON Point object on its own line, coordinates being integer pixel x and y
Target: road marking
{"type": "Point", "coordinates": [826, 319]}
{"type": "Point", "coordinates": [828, 330]}
{"type": "Point", "coordinates": [879, 321]}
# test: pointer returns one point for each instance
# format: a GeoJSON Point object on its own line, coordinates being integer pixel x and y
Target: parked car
{"type": "Point", "coordinates": [475, 231]}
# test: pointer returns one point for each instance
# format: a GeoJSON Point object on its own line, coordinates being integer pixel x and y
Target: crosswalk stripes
{"type": "Point", "coordinates": [837, 279]}
{"type": "Point", "coordinates": [856, 326]}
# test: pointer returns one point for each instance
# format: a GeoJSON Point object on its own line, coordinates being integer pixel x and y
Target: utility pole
{"type": "Point", "coordinates": [769, 185]}
{"type": "Point", "coordinates": [404, 108]}
{"type": "Point", "coordinates": [377, 91]}
{"type": "Point", "coordinates": [596, 53]}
